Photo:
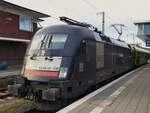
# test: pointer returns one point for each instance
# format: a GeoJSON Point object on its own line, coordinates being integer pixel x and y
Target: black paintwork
{"type": "Point", "coordinates": [79, 55]}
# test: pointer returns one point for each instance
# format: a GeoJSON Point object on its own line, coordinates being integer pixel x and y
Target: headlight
{"type": "Point", "coordinates": [23, 66]}
{"type": "Point", "coordinates": [63, 72]}
{"type": "Point", "coordinates": [22, 70]}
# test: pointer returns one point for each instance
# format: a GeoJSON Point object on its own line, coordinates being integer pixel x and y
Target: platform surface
{"type": "Point", "coordinates": [128, 94]}
{"type": "Point", "coordinates": [9, 72]}
{"type": "Point", "coordinates": [8, 77]}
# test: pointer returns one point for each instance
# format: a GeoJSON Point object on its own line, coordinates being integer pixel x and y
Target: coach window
{"type": "Point", "coordinates": [25, 24]}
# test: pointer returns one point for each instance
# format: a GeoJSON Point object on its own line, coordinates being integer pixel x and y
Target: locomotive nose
{"type": "Point", "coordinates": [43, 69]}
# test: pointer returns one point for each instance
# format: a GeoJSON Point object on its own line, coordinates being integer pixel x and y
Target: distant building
{"type": "Point", "coordinates": [17, 26]}
{"type": "Point", "coordinates": [144, 32]}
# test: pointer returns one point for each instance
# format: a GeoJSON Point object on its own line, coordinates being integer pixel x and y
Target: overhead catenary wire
{"type": "Point", "coordinates": [98, 10]}
{"type": "Point", "coordinates": [95, 9]}
{"type": "Point", "coordinates": [131, 34]}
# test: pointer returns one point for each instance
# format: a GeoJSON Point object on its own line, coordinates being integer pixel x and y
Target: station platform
{"type": "Point", "coordinates": [127, 94]}
{"type": "Point", "coordinates": [10, 72]}
{"type": "Point", "coordinates": [8, 77]}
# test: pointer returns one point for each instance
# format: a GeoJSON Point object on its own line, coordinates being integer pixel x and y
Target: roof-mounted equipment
{"type": "Point", "coordinates": [73, 22]}
{"type": "Point", "coordinates": [77, 23]}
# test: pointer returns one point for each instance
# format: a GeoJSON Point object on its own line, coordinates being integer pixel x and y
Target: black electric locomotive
{"type": "Point", "coordinates": [63, 61]}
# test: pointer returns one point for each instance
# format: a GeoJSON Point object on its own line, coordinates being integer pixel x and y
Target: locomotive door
{"type": "Point", "coordinates": [91, 61]}
{"type": "Point", "coordinates": [86, 63]}
{"type": "Point", "coordinates": [113, 56]}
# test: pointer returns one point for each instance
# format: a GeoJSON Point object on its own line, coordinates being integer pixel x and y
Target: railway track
{"type": "Point", "coordinates": [37, 111]}
{"type": "Point", "coordinates": [11, 104]}
{"type": "Point", "coordinates": [5, 96]}
{"type": "Point", "coordinates": [3, 93]}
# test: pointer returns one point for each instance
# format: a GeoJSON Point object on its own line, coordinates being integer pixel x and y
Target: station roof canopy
{"type": "Point", "coordinates": [6, 6]}
{"type": "Point", "coordinates": [14, 39]}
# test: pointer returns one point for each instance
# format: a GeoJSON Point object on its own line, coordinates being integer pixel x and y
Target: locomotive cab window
{"type": "Point", "coordinates": [48, 41]}
{"type": "Point", "coordinates": [58, 41]}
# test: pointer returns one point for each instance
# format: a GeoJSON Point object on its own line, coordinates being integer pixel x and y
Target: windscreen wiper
{"type": "Point", "coordinates": [49, 57]}
{"type": "Point", "coordinates": [36, 50]}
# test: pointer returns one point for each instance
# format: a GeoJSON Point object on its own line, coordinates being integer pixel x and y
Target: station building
{"type": "Point", "coordinates": [144, 32]}
{"type": "Point", "coordinates": [17, 26]}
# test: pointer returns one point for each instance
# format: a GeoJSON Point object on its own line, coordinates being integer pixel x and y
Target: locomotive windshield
{"type": "Point", "coordinates": [44, 42]}
{"type": "Point", "coordinates": [57, 41]}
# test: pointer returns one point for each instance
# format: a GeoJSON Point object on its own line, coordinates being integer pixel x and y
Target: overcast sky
{"type": "Point", "coordinates": [117, 11]}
